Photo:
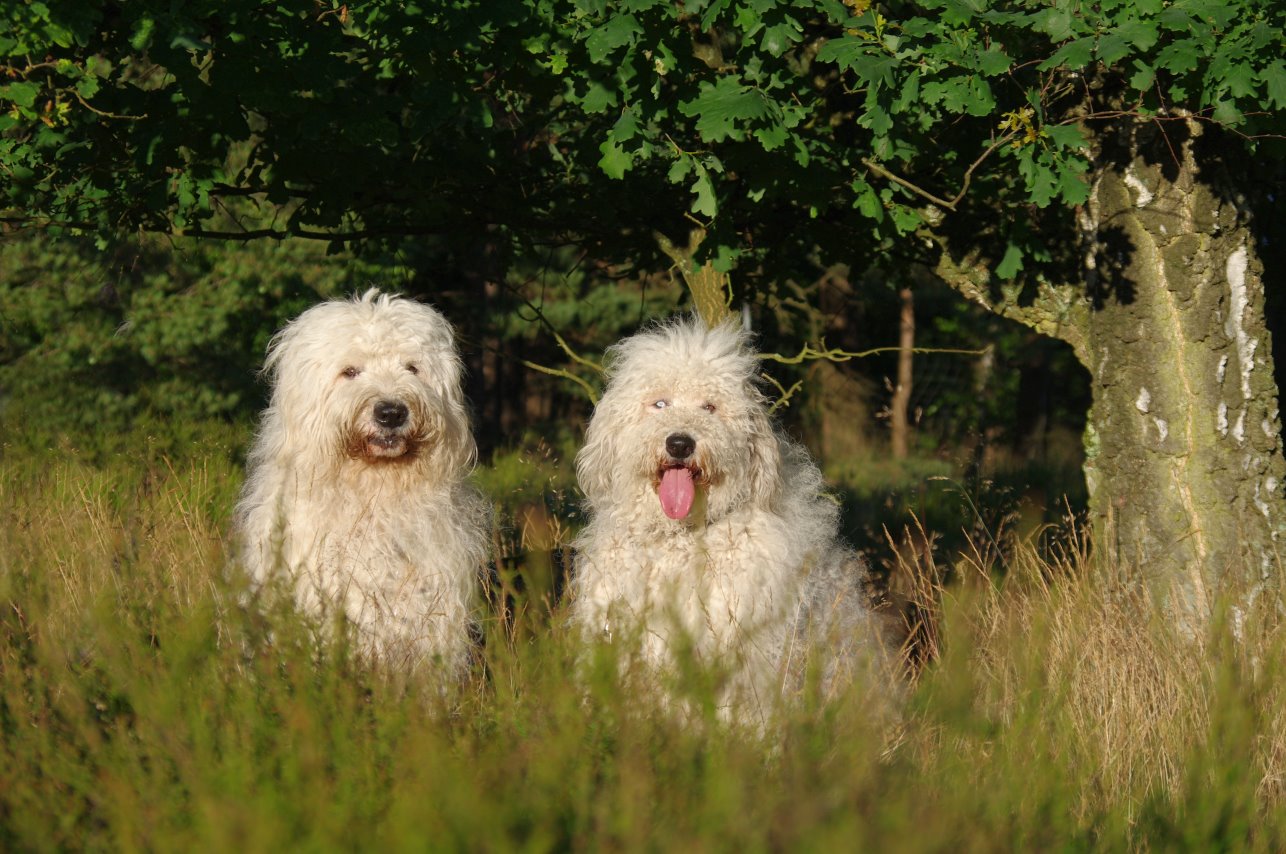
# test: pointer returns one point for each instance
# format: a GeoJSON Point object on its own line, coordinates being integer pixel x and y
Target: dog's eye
{"type": "Point", "coordinates": [350, 372]}
{"type": "Point", "coordinates": [660, 404]}
{"type": "Point", "coordinates": [410, 366]}
{"type": "Point", "coordinates": [708, 407]}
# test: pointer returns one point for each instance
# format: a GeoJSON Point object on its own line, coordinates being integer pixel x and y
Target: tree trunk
{"type": "Point", "coordinates": [1183, 447]}
{"type": "Point", "coordinates": [898, 420]}
{"type": "Point", "coordinates": [1184, 461]}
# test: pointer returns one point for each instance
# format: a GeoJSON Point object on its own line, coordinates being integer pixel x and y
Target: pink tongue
{"type": "Point", "coordinates": [676, 492]}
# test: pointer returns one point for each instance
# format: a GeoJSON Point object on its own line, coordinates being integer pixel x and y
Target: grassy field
{"type": "Point", "coordinates": [142, 708]}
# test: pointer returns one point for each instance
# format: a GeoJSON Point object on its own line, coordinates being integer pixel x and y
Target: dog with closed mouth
{"type": "Point", "coordinates": [356, 493]}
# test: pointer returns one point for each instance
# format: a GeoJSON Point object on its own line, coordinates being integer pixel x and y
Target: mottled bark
{"type": "Point", "coordinates": [1183, 447]}
{"type": "Point", "coordinates": [1184, 459]}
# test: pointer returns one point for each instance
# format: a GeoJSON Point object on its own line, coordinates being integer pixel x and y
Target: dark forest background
{"type": "Point", "coordinates": [105, 347]}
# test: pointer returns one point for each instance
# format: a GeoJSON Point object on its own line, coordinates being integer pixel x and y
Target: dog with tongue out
{"type": "Point", "coordinates": [677, 488]}
{"type": "Point", "coordinates": [709, 533]}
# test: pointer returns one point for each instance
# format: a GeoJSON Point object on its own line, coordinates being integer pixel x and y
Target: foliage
{"type": "Point", "coordinates": [172, 331]}
{"type": "Point", "coordinates": [198, 118]}
{"type": "Point", "coordinates": [789, 138]}
{"type": "Point", "coordinates": [587, 310]}
{"type": "Point", "coordinates": [824, 106]}
{"type": "Point", "coordinates": [525, 132]}
{"type": "Point", "coordinates": [93, 340]}
{"type": "Point", "coordinates": [141, 706]}
{"type": "Point", "coordinates": [797, 135]}
{"type": "Point", "coordinates": [848, 117]}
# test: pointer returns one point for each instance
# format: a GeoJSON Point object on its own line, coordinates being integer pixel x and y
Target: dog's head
{"type": "Point", "coordinates": [683, 418]}
{"type": "Point", "coordinates": [375, 379]}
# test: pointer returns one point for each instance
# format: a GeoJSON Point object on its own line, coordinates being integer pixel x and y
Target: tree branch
{"type": "Point", "coordinates": [786, 393]}
{"type": "Point", "coordinates": [565, 374]}
{"type": "Point", "coordinates": [1056, 310]}
{"type": "Point", "coordinates": [833, 354]}
{"type": "Point", "coordinates": [949, 204]}
{"type": "Point", "coordinates": [103, 113]}
{"type": "Point", "coordinates": [243, 235]}
{"type": "Point", "coordinates": [577, 358]}
{"type": "Point", "coordinates": [711, 290]}
{"type": "Point", "coordinates": [968, 175]}
{"type": "Point", "coordinates": [902, 182]}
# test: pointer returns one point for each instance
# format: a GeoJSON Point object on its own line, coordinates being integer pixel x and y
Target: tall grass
{"type": "Point", "coordinates": [143, 707]}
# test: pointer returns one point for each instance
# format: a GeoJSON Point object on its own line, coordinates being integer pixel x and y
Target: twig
{"type": "Point", "coordinates": [833, 354]}
{"type": "Point", "coordinates": [104, 113]}
{"type": "Point", "coordinates": [562, 342]}
{"type": "Point", "coordinates": [949, 204]}
{"type": "Point", "coordinates": [786, 393]}
{"type": "Point", "coordinates": [968, 175]}
{"type": "Point", "coordinates": [565, 374]}
{"type": "Point", "coordinates": [899, 180]}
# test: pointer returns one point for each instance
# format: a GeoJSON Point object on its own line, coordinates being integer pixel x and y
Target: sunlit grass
{"type": "Point", "coordinates": [143, 706]}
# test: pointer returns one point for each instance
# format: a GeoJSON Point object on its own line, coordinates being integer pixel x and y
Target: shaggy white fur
{"type": "Point", "coordinates": [356, 489]}
{"type": "Point", "coordinates": [708, 531]}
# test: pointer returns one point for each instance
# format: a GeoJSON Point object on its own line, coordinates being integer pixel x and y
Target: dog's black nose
{"type": "Point", "coordinates": [680, 445]}
{"type": "Point", "coordinates": [390, 414]}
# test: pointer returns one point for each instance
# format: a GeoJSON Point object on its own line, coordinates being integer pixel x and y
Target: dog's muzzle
{"type": "Point", "coordinates": [390, 439]}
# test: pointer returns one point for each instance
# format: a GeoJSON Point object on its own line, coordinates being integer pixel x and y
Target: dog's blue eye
{"type": "Point", "coordinates": [350, 372]}
{"type": "Point", "coordinates": [661, 404]}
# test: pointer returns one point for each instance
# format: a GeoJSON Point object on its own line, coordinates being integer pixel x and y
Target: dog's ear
{"type": "Point", "coordinates": [597, 461]}
{"type": "Point", "coordinates": [459, 452]}
{"type": "Point", "coordinates": [463, 452]}
{"type": "Point", "coordinates": [765, 461]}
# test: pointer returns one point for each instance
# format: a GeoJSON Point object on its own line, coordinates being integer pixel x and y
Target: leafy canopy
{"type": "Point", "coordinates": [580, 119]}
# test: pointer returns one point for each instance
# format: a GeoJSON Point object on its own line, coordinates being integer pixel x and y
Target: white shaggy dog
{"type": "Point", "coordinates": [356, 488]}
{"type": "Point", "coordinates": [708, 531]}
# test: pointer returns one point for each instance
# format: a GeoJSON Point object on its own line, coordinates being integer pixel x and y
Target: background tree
{"type": "Point", "coordinates": [899, 417]}
{"type": "Point", "coordinates": [961, 126]}
{"type": "Point", "coordinates": [1079, 171]}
